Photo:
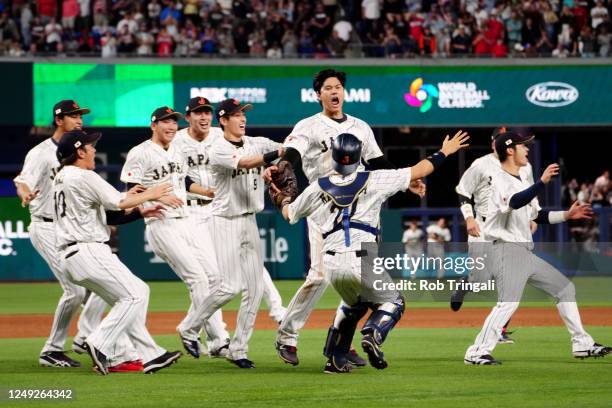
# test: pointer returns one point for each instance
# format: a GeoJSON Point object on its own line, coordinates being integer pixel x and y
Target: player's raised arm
{"type": "Point", "coordinates": [449, 146]}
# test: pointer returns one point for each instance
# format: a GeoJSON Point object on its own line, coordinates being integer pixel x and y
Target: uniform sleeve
{"type": "Point", "coordinates": [405, 237]}
{"type": "Point", "coordinates": [298, 138]}
{"type": "Point", "coordinates": [99, 191]}
{"type": "Point", "coordinates": [370, 147]}
{"type": "Point", "coordinates": [224, 155]}
{"type": "Point", "coordinates": [469, 181]}
{"type": "Point", "coordinates": [133, 169]}
{"type": "Point", "coordinates": [389, 182]}
{"type": "Point", "coordinates": [306, 203]}
{"type": "Point", "coordinates": [265, 145]}
{"type": "Point", "coordinates": [33, 170]}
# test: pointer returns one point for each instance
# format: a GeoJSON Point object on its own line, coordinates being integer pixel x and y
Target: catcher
{"type": "Point", "coordinates": [346, 206]}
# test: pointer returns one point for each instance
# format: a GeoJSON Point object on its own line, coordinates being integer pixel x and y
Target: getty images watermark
{"type": "Point", "coordinates": [434, 271]}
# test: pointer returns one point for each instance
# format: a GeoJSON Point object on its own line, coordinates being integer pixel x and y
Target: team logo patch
{"type": "Point", "coordinates": [58, 111]}
{"type": "Point", "coordinates": [508, 142]}
{"type": "Point", "coordinates": [346, 160]}
{"type": "Point", "coordinates": [201, 101]}
{"type": "Point", "coordinates": [75, 105]}
{"type": "Point", "coordinates": [236, 101]}
{"type": "Point", "coordinates": [168, 110]}
{"type": "Point", "coordinates": [78, 144]}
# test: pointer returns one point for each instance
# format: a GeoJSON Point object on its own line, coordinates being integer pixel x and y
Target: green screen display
{"type": "Point", "coordinates": [118, 95]}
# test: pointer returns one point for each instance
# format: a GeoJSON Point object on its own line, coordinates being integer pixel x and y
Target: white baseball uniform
{"type": "Point", "coordinates": [341, 263]}
{"type": "Point", "coordinates": [39, 169]}
{"type": "Point", "coordinates": [238, 197]}
{"type": "Point", "coordinates": [176, 238]}
{"type": "Point", "coordinates": [198, 169]}
{"type": "Point", "coordinates": [80, 197]}
{"type": "Point", "coordinates": [312, 138]}
{"type": "Point", "coordinates": [513, 264]}
{"type": "Point", "coordinates": [475, 183]}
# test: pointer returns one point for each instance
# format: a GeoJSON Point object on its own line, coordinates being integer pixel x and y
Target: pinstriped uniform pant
{"type": "Point", "coordinates": [42, 235]}
{"type": "Point", "coordinates": [95, 267]}
{"type": "Point", "coordinates": [238, 250]}
{"type": "Point", "coordinates": [513, 265]}
{"type": "Point", "coordinates": [189, 252]}
{"type": "Point", "coordinates": [308, 294]}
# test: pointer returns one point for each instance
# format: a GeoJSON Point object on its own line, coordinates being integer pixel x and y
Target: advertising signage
{"type": "Point", "coordinates": [467, 95]}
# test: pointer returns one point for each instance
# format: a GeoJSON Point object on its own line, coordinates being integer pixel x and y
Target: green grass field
{"type": "Point", "coordinates": [426, 368]}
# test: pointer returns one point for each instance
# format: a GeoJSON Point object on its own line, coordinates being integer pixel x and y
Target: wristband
{"type": "Point", "coordinates": [436, 159]}
{"type": "Point", "coordinates": [556, 217]}
{"type": "Point", "coordinates": [467, 211]}
{"type": "Point", "coordinates": [270, 156]}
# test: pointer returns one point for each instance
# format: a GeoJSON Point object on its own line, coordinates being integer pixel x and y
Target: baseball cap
{"type": "Point", "coordinates": [502, 129]}
{"type": "Point", "coordinates": [198, 103]}
{"type": "Point", "coordinates": [67, 107]}
{"type": "Point", "coordinates": [165, 112]}
{"type": "Point", "coordinates": [73, 140]}
{"type": "Point", "coordinates": [231, 106]}
{"type": "Point", "coordinates": [511, 138]}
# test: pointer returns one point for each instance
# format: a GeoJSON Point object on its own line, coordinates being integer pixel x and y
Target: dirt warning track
{"type": "Point", "coordinates": [38, 325]}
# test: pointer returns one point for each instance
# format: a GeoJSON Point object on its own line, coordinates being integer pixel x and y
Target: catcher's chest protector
{"type": "Point", "coordinates": [345, 195]}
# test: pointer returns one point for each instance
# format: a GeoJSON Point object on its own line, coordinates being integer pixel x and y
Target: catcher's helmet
{"type": "Point", "coordinates": [346, 153]}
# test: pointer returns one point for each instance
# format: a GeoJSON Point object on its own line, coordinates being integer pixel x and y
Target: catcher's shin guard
{"type": "Point", "coordinates": [383, 319]}
{"type": "Point", "coordinates": [340, 335]}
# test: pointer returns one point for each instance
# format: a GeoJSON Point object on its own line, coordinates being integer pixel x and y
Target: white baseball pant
{"type": "Point", "coordinates": [513, 265]}
{"type": "Point", "coordinates": [238, 249]}
{"type": "Point", "coordinates": [95, 267]}
{"type": "Point", "coordinates": [189, 252]}
{"type": "Point", "coordinates": [308, 294]}
{"type": "Point", "coordinates": [91, 317]}
{"type": "Point", "coordinates": [42, 236]}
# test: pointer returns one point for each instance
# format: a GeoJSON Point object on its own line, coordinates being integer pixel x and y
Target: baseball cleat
{"type": "Point", "coordinates": [221, 352]}
{"type": "Point", "coordinates": [457, 297]}
{"type": "Point", "coordinates": [597, 350]}
{"type": "Point", "coordinates": [79, 348]}
{"type": "Point", "coordinates": [98, 358]}
{"type": "Point", "coordinates": [57, 359]}
{"type": "Point", "coordinates": [332, 368]}
{"type": "Point", "coordinates": [125, 367]}
{"type": "Point", "coordinates": [163, 361]}
{"type": "Point", "coordinates": [505, 339]}
{"type": "Point", "coordinates": [375, 354]}
{"type": "Point", "coordinates": [486, 359]}
{"type": "Point", "coordinates": [192, 347]}
{"type": "Point", "coordinates": [355, 359]}
{"type": "Point", "coordinates": [287, 353]}
{"type": "Point", "coordinates": [242, 363]}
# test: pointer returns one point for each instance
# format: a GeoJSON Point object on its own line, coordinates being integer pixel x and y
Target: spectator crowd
{"type": "Point", "coordinates": [308, 29]}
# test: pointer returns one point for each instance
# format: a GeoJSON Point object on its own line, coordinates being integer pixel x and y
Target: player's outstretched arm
{"type": "Point", "coordinates": [450, 146]}
{"type": "Point", "coordinates": [249, 162]}
{"type": "Point", "coordinates": [151, 194]}
{"type": "Point", "coordinates": [25, 194]}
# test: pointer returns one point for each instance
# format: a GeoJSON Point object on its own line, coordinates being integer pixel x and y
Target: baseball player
{"type": "Point", "coordinates": [193, 142]}
{"type": "Point", "coordinates": [236, 165]}
{"type": "Point", "coordinates": [475, 187]}
{"type": "Point", "coordinates": [346, 206]}
{"type": "Point", "coordinates": [510, 209]}
{"type": "Point", "coordinates": [175, 238]}
{"type": "Point", "coordinates": [412, 240]}
{"type": "Point", "coordinates": [310, 141]}
{"type": "Point", "coordinates": [80, 197]}
{"type": "Point", "coordinates": [34, 185]}
{"type": "Point", "coordinates": [437, 235]}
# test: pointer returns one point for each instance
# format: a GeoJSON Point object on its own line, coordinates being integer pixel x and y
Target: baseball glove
{"type": "Point", "coordinates": [283, 186]}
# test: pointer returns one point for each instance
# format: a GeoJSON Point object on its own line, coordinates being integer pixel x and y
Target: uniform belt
{"type": "Point", "coordinates": [359, 254]}
{"type": "Point", "coordinates": [74, 243]}
{"type": "Point", "coordinates": [198, 201]}
{"type": "Point", "coordinates": [483, 219]}
{"type": "Point", "coordinates": [43, 219]}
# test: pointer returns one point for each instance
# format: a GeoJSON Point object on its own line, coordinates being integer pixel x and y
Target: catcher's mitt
{"type": "Point", "coordinates": [283, 186]}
